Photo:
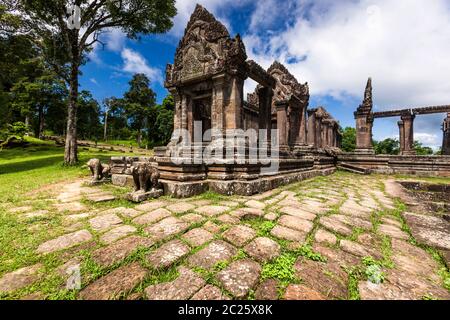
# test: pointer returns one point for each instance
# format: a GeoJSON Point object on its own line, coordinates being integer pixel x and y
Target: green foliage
{"type": "Point", "coordinates": [164, 121]}
{"type": "Point", "coordinates": [282, 269]}
{"type": "Point", "coordinates": [388, 146]}
{"type": "Point", "coordinates": [373, 270]}
{"type": "Point", "coordinates": [307, 252]}
{"type": "Point", "coordinates": [17, 129]}
{"type": "Point", "coordinates": [349, 139]}
{"type": "Point", "coordinates": [88, 120]}
{"type": "Point", "coordinates": [421, 150]}
{"type": "Point", "coordinates": [265, 227]}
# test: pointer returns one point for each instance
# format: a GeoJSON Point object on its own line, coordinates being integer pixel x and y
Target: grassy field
{"type": "Point", "coordinates": [25, 169]}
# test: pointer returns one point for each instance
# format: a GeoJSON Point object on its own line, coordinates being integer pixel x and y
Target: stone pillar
{"type": "Point", "coordinates": [282, 124]}
{"type": "Point", "coordinates": [446, 140]}
{"type": "Point", "coordinates": [401, 129]}
{"type": "Point", "coordinates": [364, 125]}
{"type": "Point", "coordinates": [311, 134]}
{"type": "Point", "coordinates": [218, 107]}
{"type": "Point", "coordinates": [323, 133]}
{"type": "Point", "coordinates": [301, 135]}
{"type": "Point", "coordinates": [265, 96]}
{"type": "Point", "coordinates": [364, 122]}
{"type": "Point", "coordinates": [318, 131]}
{"type": "Point", "coordinates": [178, 106]}
{"type": "Point", "coordinates": [408, 129]}
{"type": "Point", "coordinates": [330, 140]}
{"type": "Point", "coordinates": [233, 107]}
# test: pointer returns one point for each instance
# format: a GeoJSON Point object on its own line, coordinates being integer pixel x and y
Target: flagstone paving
{"type": "Point", "coordinates": [336, 237]}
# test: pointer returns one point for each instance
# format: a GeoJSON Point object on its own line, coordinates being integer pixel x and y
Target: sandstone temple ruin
{"type": "Point", "coordinates": [212, 116]}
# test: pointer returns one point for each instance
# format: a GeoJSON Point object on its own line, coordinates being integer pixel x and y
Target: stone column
{"type": "Point", "coordinates": [282, 124]}
{"type": "Point", "coordinates": [178, 110]}
{"type": "Point", "coordinates": [408, 128]}
{"type": "Point", "coordinates": [330, 141]}
{"type": "Point", "coordinates": [363, 133]}
{"type": "Point", "coordinates": [265, 96]}
{"type": "Point", "coordinates": [311, 134]}
{"type": "Point", "coordinates": [401, 129]}
{"type": "Point", "coordinates": [218, 107]}
{"type": "Point", "coordinates": [301, 136]}
{"type": "Point", "coordinates": [318, 132]}
{"type": "Point", "coordinates": [446, 139]}
{"type": "Point", "coordinates": [324, 133]}
{"type": "Point", "coordinates": [233, 107]}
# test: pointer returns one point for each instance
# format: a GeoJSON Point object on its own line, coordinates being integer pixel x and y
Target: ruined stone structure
{"type": "Point", "coordinates": [363, 159]}
{"type": "Point", "coordinates": [364, 122]}
{"type": "Point", "coordinates": [211, 116]}
{"type": "Point", "coordinates": [446, 140]}
{"type": "Point", "coordinates": [212, 143]}
{"type": "Point", "coordinates": [300, 129]}
{"type": "Point", "coordinates": [323, 130]}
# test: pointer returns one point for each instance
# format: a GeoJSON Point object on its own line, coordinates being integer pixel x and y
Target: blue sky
{"type": "Point", "coordinates": [333, 45]}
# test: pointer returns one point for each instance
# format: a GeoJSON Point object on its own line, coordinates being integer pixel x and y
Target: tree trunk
{"type": "Point", "coordinates": [105, 133]}
{"type": "Point", "coordinates": [139, 138]}
{"type": "Point", "coordinates": [27, 124]}
{"type": "Point", "coordinates": [71, 150]}
{"type": "Point", "coordinates": [41, 123]}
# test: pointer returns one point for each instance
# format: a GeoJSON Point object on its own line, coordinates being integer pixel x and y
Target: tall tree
{"type": "Point", "coordinates": [164, 121]}
{"type": "Point", "coordinates": [349, 139]}
{"type": "Point", "coordinates": [388, 146]}
{"type": "Point", "coordinates": [89, 116]}
{"type": "Point", "coordinates": [140, 105]}
{"type": "Point", "coordinates": [70, 29]}
{"type": "Point", "coordinates": [421, 150]}
{"type": "Point", "coordinates": [35, 93]}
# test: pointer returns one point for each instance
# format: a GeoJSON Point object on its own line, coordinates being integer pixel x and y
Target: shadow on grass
{"type": "Point", "coordinates": [22, 166]}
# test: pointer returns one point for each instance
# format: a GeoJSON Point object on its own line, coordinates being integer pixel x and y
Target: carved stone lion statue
{"type": "Point", "coordinates": [145, 176]}
{"type": "Point", "coordinates": [99, 171]}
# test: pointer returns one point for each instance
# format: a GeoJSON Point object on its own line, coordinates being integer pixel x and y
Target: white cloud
{"type": "Point", "coordinates": [402, 44]}
{"type": "Point", "coordinates": [186, 7]}
{"type": "Point", "coordinates": [94, 81]}
{"type": "Point", "coordinates": [115, 39]}
{"type": "Point", "coordinates": [428, 139]}
{"type": "Point", "coordinates": [134, 62]}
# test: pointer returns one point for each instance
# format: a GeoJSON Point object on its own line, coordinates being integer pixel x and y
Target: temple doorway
{"type": "Point", "coordinates": [202, 113]}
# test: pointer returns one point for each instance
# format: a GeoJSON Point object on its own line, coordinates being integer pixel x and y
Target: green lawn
{"type": "Point", "coordinates": [25, 169]}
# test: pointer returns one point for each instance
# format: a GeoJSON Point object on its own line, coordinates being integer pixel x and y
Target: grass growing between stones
{"type": "Point", "coordinates": [27, 177]}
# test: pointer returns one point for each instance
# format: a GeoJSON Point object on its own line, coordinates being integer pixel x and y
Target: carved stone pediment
{"type": "Point", "coordinates": [366, 107]}
{"type": "Point", "coordinates": [206, 49]}
{"type": "Point", "coordinates": [287, 85]}
{"type": "Point", "coordinates": [322, 113]}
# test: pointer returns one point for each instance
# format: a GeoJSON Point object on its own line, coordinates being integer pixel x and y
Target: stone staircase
{"type": "Point", "coordinates": [353, 168]}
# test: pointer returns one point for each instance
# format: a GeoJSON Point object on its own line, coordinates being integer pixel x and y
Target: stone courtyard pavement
{"type": "Point", "coordinates": [337, 237]}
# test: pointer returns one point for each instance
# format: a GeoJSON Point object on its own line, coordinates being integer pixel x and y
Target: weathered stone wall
{"type": "Point", "coordinates": [427, 166]}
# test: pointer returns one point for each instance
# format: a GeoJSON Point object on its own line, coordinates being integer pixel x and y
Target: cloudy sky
{"type": "Point", "coordinates": [403, 45]}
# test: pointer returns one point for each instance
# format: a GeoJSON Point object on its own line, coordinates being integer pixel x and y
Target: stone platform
{"type": "Point", "coordinates": [425, 166]}
{"type": "Point", "coordinates": [184, 181]}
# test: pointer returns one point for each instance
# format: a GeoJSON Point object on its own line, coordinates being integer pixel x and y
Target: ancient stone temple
{"type": "Point", "coordinates": [446, 139]}
{"type": "Point", "coordinates": [232, 145]}
{"type": "Point", "coordinates": [222, 142]}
